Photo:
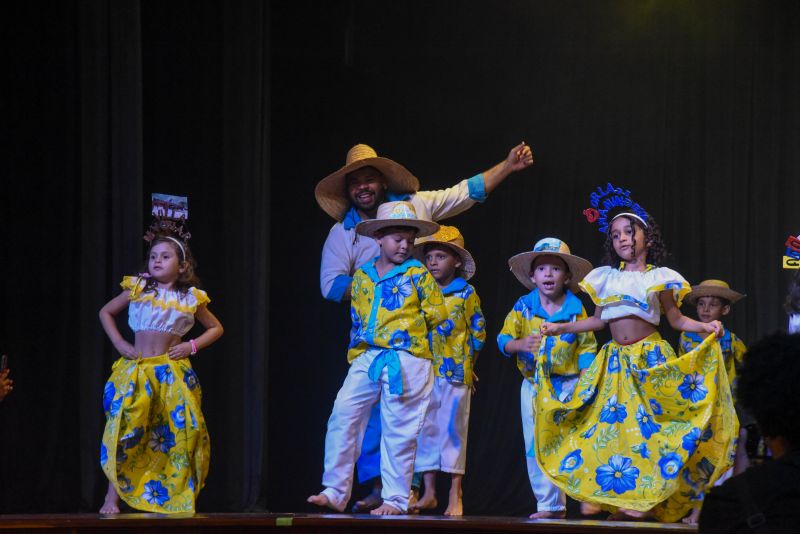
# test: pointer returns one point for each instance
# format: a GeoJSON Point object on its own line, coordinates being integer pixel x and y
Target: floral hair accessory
{"type": "Point", "coordinates": [607, 198]}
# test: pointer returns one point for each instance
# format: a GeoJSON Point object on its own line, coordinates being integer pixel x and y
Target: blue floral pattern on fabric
{"type": "Point", "coordinates": [613, 412]}
{"type": "Point", "coordinates": [161, 438]}
{"type": "Point", "coordinates": [691, 440]}
{"type": "Point", "coordinates": [641, 450]}
{"type": "Point", "coordinates": [618, 475]}
{"type": "Point", "coordinates": [446, 328]}
{"type": "Point", "coordinates": [656, 407]}
{"type": "Point", "coordinates": [613, 363]}
{"type": "Point", "coordinates": [400, 340]}
{"type": "Point", "coordinates": [670, 465]}
{"type": "Point", "coordinates": [395, 291]}
{"type": "Point", "coordinates": [646, 423]}
{"type": "Point", "coordinates": [655, 357]}
{"type": "Point", "coordinates": [155, 493]}
{"type": "Point", "coordinates": [178, 416]}
{"type": "Point", "coordinates": [164, 374]}
{"type": "Point", "coordinates": [571, 462]}
{"type": "Point", "coordinates": [451, 370]}
{"type": "Point", "coordinates": [190, 379]}
{"type": "Point", "coordinates": [108, 395]}
{"type": "Point", "coordinates": [133, 438]}
{"type": "Point", "coordinates": [693, 388]}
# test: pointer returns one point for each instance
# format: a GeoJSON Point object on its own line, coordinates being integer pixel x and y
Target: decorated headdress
{"type": "Point", "coordinates": [791, 256]}
{"type": "Point", "coordinates": [169, 220]}
{"type": "Point", "coordinates": [608, 198]}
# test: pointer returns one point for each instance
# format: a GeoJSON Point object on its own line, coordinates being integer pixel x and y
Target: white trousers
{"type": "Point", "coordinates": [548, 497]}
{"type": "Point", "coordinates": [442, 444]}
{"type": "Point", "coordinates": [401, 420]}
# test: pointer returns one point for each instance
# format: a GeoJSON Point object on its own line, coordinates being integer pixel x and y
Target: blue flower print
{"type": "Point", "coordinates": [571, 462]}
{"type": "Point", "coordinates": [162, 439]}
{"type": "Point", "coordinates": [587, 394]}
{"type": "Point", "coordinates": [523, 310]}
{"type": "Point", "coordinates": [132, 438]}
{"type": "Point", "coordinates": [394, 292]}
{"type": "Point", "coordinates": [693, 388]}
{"type": "Point", "coordinates": [164, 374]}
{"type": "Point", "coordinates": [116, 404]}
{"type": "Point", "coordinates": [618, 475]}
{"type": "Point", "coordinates": [400, 340]}
{"type": "Point", "coordinates": [446, 328]}
{"type": "Point", "coordinates": [704, 471]}
{"type": "Point", "coordinates": [613, 363]}
{"type": "Point", "coordinates": [656, 407]}
{"type": "Point", "coordinates": [641, 449]}
{"type": "Point", "coordinates": [194, 422]}
{"type": "Point", "coordinates": [670, 465]}
{"type": "Point", "coordinates": [707, 434]}
{"type": "Point", "coordinates": [190, 379]}
{"type": "Point", "coordinates": [655, 357]}
{"type": "Point", "coordinates": [178, 416]}
{"type": "Point", "coordinates": [528, 360]}
{"type": "Point", "coordinates": [568, 338]}
{"type": "Point", "coordinates": [121, 456]}
{"type": "Point", "coordinates": [589, 433]}
{"type": "Point", "coordinates": [646, 423]}
{"type": "Point", "coordinates": [477, 322]}
{"type": "Point", "coordinates": [691, 440]}
{"type": "Point", "coordinates": [155, 493]}
{"type": "Point", "coordinates": [103, 454]}
{"type": "Point", "coordinates": [124, 484]}
{"type": "Point", "coordinates": [613, 412]}
{"type": "Point", "coordinates": [191, 483]}
{"type": "Point", "coordinates": [108, 395]}
{"type": "Point", "coordinates": [451, 370]}
{"type": "Point", "coordinates": [148, 389]}
{"type": "Point", "coordinates": [640, 374]}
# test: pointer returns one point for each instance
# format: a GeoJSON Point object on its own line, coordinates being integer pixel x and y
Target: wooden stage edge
{"type": "Point", "coordinates": [316, 523]}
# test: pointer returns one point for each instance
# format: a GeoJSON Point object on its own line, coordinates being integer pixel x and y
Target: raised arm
{"type": "Point", "coordinates": [680, 322]}
{"type": "Point", "coordinates": [518, 158]}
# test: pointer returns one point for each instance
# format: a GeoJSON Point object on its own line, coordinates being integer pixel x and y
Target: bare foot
{"type": "Point", "coordinates": [111, 503]}
{"type": "Point", "coordinates": [625, 514]}
{"type": "Point", "coordinates": [412, 501]}
{"type": "Point", "coordinates": [561, 514]}
{"type": "Point", "coordinates": [427, 502]}
{"type": "Point", "coordinates": [455, 508]}
{"type": "Point", "coordinates": [386, 509]}
{"type": "Point", "coordinates": [693, 517]}
{"type": "Point", "coordinates": [370, 502]}
{"type": "Point", "coordinates": [320, 499]}
{"type": "Point", "coordinates": [588, 508]}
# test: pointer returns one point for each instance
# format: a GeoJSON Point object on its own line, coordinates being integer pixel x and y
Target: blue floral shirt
{"type": "Point", "coordinates": [455, 341]}
{"type": "Point", "coordinates": [395, 311]}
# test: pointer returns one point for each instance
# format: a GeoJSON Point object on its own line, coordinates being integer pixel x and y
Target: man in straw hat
{"type": "Point", "coordinates": [396, 304]}
{"type": "Point", "coordinates": [352, 194]}
{"type": "Point", "coordinates": [552, 273]}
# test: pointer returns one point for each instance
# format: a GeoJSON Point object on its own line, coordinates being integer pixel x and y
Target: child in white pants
{"type": "Point", "coordinates": [455, 344]}
{"type": "Point", "coordinates": [395, 304]}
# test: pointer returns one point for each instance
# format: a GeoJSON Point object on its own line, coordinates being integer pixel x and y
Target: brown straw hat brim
{"type": "Point", "coordinates": [369, 227]}
{"type": "Point", "coordinates": [468, 267]}
{"type": "Point", "coordinates": [521, 267]}
{"type": "Point", "coordinates": [712, 291]}
{"type": "Point", "coordinates": [332, 196]}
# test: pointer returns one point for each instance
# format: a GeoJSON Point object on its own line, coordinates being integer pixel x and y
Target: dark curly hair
{"type": "Point", "coordinates": [767, 386]}
{"type": "Point", "coordinates": [186, 279]}
{"type": "Point", "coordinates": [792, 304]}
{"type": "Point", "coordinates": [656, 254]}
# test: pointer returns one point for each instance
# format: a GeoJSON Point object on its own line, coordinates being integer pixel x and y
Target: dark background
{"type": "Point", "coordinates": [244, 106]}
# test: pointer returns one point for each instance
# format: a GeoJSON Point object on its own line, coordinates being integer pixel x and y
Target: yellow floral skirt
{"type": "Point", "coordinates": [155, 447]}
{"type": "Point", "coordinates": [644, 430]}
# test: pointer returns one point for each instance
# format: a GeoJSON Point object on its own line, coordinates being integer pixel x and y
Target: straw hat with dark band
{"type": "Point", "coordinates": [549, 246]}
{"type": "Point", "coordinates": [452, 238]}
{"type": "Point", "coordinates": [399, 213]}
{"type": "Point", "coordinates": [331, 191]}
{"type": "Point", "coordinates": [713, 288]}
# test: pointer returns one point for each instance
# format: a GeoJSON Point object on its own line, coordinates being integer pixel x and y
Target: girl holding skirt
{"type": "Point", "coordinates": [155, 448]}
{"type": "Point", "coordinates": [646, 432]}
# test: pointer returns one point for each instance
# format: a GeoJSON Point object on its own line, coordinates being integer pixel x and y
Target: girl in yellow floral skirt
{"type": "Point", "coordinates": [646, 432]}
{"type": "Point", "coordinates": [155, 448]}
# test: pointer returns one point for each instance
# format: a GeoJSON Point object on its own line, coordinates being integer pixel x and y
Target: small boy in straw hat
{"type": "Point", "coordinates": [713, 300]}
{"type": "Point", "coordinates": [552, 273]}
{"type": "Point", "coordinates": [442, 443]}
{"type": "Point", "coordinates": [395, 305]}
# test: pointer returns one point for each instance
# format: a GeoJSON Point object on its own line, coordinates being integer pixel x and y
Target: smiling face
{"type": "Point", "coordinates": [442, 262]}
{"type": "Point", "coordinates": [550, 274]}
{"type": "Point", "coordinates": [629, 240]}
{"type": "Point", "coordinates": [711, 309]}
{"type": "Point", "coordinates": [366, 189]}
{"type": "Point", "coordinates": [396, 243]}
{"type": "Point", "coordinates": [164, 263]}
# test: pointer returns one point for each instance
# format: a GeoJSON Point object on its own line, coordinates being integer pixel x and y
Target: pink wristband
{"type": "Point", "coordinates": [194, 346]}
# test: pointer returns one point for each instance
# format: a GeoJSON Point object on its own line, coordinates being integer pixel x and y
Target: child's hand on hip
{"type": "Point", "coordinates": [180, 351]}
{"type": "Point", "coordinates": [126, 349]}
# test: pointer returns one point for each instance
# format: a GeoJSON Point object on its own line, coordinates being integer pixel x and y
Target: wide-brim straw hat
{"type": "Point", "coordinates": [549, 246]}
{"type": "Point", "coordinates": [331, 191]}
{"type": "Point", "coordinates": [713, 288]}
{"type": "Point", "coordinates": [400, 213]}
{"type": "Point", "coordinates": [452, 238]}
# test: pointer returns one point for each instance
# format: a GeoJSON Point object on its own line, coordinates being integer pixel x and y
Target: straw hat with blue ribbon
{"type": "Point", "coordinates": [549, 246]}
{"type": "Point", "coordinates": [399, 213]}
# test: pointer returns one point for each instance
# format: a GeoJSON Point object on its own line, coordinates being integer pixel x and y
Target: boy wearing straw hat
{"type": "Point", "coordinates": [352, 194]}
{"type": "Point", "coordinates": [442, 443]}
{"type": "Point", "coordinates": [396, 303]}
{"type": "Point", "coordinates": [552, 273]}
{"type": "Point", "coordinates": [713, 300]}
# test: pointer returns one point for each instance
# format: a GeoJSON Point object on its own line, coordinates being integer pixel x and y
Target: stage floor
{"type": "Point", "coordinates": [318, 523]}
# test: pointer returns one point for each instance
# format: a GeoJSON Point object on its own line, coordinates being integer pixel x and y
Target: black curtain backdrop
{"type": "Point", "coordinates": [244, 106]}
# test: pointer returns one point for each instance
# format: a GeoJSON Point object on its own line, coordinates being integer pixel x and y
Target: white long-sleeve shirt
{"type": "Point", "coordinates": [345, 251]}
